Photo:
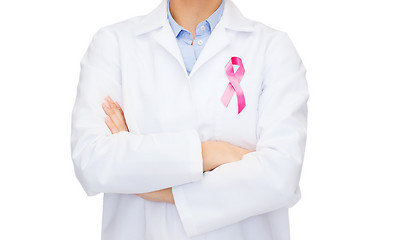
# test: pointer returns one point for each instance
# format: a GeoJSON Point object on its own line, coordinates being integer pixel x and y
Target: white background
{"type": "Point", "coordinates": [347, 47]}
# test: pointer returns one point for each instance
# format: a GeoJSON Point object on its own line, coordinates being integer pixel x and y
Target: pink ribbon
{"type": "Point", "coordinates": [233, 85]}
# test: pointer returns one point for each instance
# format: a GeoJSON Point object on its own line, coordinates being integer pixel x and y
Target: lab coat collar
{"type": "Point", "coordinates": [231, 19]}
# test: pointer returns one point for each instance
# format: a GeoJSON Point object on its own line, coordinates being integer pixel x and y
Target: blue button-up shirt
{"type": "Point", "coordinates": [190, 52]}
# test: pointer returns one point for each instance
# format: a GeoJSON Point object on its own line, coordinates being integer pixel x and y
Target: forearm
{"type": "Point", "coordinates": [215, 153]}
{"type": "Point", "coordinates": [162, 195]}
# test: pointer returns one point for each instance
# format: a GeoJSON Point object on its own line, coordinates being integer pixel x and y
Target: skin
{"type": "Point", "coordinates": [189, 13]}
{"type": "Point", "coordinates": [214, 153]}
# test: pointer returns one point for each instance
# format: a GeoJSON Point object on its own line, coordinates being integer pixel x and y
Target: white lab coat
{"type": "Point", "coordinates": [138, 63]}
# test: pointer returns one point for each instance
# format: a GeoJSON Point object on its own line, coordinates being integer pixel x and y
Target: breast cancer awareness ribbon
{"type": "Point", "coordinates": [233, 85]}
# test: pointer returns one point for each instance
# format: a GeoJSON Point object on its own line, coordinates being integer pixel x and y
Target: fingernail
{"type": "Point", "coordinates": [106, 104]}
{"type": "Point", "coordinates": [110, 99]}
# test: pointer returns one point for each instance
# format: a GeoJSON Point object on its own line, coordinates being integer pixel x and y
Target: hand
{"type": "Point", "coordinates": [216, 153]}
{"type": "Point", "coordinates": [162, 195]}
{"type": "Point", "coordinates": [115, 119]}
{"type": "Point", "coordinates": [116, 122]}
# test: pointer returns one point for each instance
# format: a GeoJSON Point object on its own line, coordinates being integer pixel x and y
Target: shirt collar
{"type": "Point", "coordinates": [212, 20]}
{"type": "Point", "coordinates": [174, 25]}
{"type": "Point", "coordinates": [215, 17]}
{"type": "Point", "coordinates": [232, 19]}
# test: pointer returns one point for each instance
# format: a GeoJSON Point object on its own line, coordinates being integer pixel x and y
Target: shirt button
{"type": "Point", "coordinates": [202, 28]}
{"type": "Point", "coordinates": [200, 42]}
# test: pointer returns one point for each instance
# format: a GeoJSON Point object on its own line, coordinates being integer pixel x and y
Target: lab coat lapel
{"type": "Point", "coordinates": [231, 19]}
{"type": "Point", "coordinates": [166, 38]}
{"type": "Point", "coordinates": [217, 41]}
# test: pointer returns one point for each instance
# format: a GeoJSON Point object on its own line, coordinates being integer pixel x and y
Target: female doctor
{"type": "Point", "coordinates": [192, 121]}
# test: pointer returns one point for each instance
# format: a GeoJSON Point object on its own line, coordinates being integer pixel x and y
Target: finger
{"type": "Point", "coordinates": [107, 109]}
{"type": "Point", "coordinates": [111, 102]}
{"type": "Point", "coordinates": [119, 108]}
{"type": "Point", "coordinates": [117, 104]}
{"type": "Point", "coordinates": [118, 113]}
{"type": "Point", "coordinates": [112, 127]}
{"type": "Point", "coordinates": [113, 113]}
{"type": "Point", "coordinates": [122, 113]}
{"type": "Point", "coordinates": [109, 99]}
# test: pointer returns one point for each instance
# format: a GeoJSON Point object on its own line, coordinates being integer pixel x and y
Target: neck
{"type": "Point", "coordinates": [189, 13]}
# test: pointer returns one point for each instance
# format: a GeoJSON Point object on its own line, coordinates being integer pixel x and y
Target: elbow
{"type": "Point", "coordinates": [291, 193]}
{"type": "Point", "coordinates": [293, 197]}
{"type": "Point", "coordinates": [90, 187]}
{"type": "Point", "coordinates": [286, 186]}
{"type": "Point", "coordinates": [288, 190]}
{"type": "Point", "coordinates": [91, 180]}
{"type": "Point", "coordinates": [286, 196]}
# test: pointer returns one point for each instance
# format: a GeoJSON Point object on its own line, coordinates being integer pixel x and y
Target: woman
{"type": "Point", "coordinates": [192, 122]}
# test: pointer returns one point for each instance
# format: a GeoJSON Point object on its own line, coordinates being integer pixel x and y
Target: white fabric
{"type": "Point", "coordinates": [169, 113]}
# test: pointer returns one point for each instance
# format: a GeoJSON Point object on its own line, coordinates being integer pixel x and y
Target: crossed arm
{"type": "Point", "coordinates": [215, 153]}
{"type": "Point", "coordinates": [265, 180]}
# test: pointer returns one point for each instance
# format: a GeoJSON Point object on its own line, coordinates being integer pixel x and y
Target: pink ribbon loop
{"type": "Point", "coordinates": [234, 84]}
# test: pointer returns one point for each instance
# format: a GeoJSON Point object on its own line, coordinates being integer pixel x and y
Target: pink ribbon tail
{"type": "Point", "coordinates": [234, 84]}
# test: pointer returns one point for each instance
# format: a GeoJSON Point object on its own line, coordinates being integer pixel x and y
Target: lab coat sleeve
{"type": "Point", "coordinates": [123, 162]}
{"type": "Point", "coordinates": [266, 179]}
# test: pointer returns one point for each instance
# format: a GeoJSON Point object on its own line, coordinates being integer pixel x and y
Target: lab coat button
{"type": "Point", "coordinates": [200, 42]}
{"type": "Point", "coordinates": [202, 28]}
